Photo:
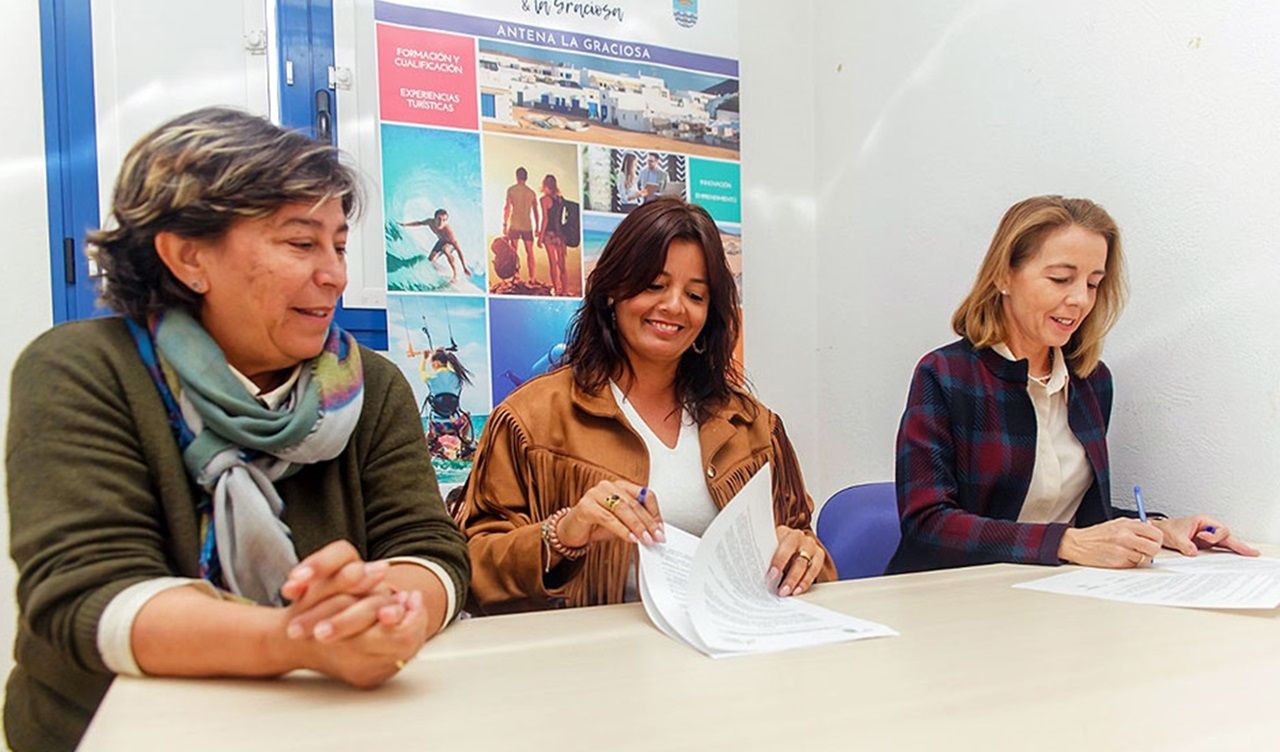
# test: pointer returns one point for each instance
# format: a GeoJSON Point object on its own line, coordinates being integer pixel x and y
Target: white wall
{"type": "Point", "coordinates": [26, 297]}
{"type": "Point", "coordinates": [778, 219]}
{"type": "Point", "coordinates": [933, 116]}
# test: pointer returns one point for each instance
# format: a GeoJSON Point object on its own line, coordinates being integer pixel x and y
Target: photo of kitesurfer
{"type": "Point", "coordinates": [440, 343]}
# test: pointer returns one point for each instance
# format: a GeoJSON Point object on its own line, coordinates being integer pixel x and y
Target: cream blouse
{"type": "Point", "coordinates": [1062, 473]}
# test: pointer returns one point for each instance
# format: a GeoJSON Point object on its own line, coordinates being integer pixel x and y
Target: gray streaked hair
{"type": "Point", "coordinates": [195, 176]}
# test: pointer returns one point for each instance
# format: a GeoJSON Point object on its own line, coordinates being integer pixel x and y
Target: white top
{"type": "Point", "coordinates": [1062, 472]}
{"type": "Point", "coordinates": [274, 398]}
{"type": "Point", "coordinates": [675, 477]}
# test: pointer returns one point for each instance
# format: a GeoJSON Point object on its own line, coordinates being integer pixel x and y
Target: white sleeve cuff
{"type": "Point", "coordinates": [115, 627]}
{"type": "Point", "coordinates": [451, 595]}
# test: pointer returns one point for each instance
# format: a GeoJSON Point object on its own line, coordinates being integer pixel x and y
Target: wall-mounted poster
{"type": "Point", "coordinates": [515, 135]}
{"type": "Point", "coordinates": [441, 343]}
{"type": "Point", "coordinates": [431, 204]}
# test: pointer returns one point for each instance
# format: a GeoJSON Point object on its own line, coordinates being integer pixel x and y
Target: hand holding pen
{"type": "Point", "coordinates": [609, 510]}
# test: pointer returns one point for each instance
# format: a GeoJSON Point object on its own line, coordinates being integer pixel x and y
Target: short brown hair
{"type": "Point", "coordinates": [633, 257]}
{"type": "Point", "coordinates": [980, 318]}
{"type": "Point", "coordinates": [195, 176]}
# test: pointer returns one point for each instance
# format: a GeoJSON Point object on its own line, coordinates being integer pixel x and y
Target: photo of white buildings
{"type": "Point", "coordinates": [555, 94]}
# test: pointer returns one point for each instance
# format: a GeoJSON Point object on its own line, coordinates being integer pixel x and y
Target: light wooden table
{"type": "Point", "coordinates": [978, 665]}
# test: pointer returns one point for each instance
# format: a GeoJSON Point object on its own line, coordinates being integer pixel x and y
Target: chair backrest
{"type": "Point", "coordinates": [859, 527]}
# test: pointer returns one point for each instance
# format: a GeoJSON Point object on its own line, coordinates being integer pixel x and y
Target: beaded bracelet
{"type": "Point", "coordinates": [551, 538]}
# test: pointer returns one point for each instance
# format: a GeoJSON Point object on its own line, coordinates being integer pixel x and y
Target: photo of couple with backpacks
{"type": "Point", "coordinates": [549, 221]}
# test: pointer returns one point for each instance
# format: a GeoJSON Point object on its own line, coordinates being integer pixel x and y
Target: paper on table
{"type": "Point", "coordinates": [1219, 561]}
{"type": "Point", "coordinates": [664, 585]}
{"type": "Point", "coordinates": [1166, 586]}
{"type": "Point", "coordinates": [718, 600]}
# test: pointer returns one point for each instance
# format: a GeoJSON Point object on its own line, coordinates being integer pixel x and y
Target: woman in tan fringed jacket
{"type": "Point", "coordinates": [648, 424]}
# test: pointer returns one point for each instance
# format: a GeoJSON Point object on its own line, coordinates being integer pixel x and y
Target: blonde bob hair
{"type": "Point", "coordinates": [980, 318]}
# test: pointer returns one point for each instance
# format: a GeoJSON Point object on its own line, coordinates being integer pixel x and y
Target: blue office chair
{"type": "Point", "coordinates": [859, 527]}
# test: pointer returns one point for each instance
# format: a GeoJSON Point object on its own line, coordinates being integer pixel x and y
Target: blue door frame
{"type": "Point", "coordinates": [305, 37]}
{"type": "Point", "coordinates": [71, 153]}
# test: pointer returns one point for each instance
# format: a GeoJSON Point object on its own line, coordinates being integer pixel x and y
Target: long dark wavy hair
{"type": "Point", "coordinates": [634, 256]}
{"type": "Point", "coordinates": [448, 359]}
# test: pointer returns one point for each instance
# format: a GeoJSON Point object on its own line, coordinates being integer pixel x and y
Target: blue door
{"type": "Point", "coordinates": [71, 148]}
{"type": "Point", "coordinates": [487, 106]}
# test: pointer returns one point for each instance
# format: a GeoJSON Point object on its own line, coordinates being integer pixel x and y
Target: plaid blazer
{"type": "Point", "coordinates": [966, 450]}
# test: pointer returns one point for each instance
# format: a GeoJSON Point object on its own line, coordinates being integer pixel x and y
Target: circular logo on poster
{"type": "Point", "coordinates": [685, 11]}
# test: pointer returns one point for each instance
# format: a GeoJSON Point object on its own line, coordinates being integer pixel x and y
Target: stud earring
{"type": "Point", "coordinates": [197, 285]}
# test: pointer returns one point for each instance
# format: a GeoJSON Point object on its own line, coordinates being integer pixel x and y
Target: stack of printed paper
{"type": "Point", "coordinates": [1210, 580]}
{"type": "Point", "coordinates": [712, 593]}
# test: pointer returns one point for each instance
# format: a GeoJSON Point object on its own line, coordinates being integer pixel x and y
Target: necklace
{"type": "Point", "coordinates": [1044, 380]}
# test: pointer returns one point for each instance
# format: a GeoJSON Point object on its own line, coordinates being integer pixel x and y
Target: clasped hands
{"type": "Point", "coordinates": [1127, 543]}
{"type": "Point", "coordinates": [347, 621]}
{"type": "Point", "coordinates": [624, 511]}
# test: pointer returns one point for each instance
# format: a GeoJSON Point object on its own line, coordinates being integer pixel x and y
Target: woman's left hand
{"type": "Point", "coordinates": [798, 556]}
{"type": "Point", "coordinates": [372, 656]}
{"type": "Point", "coordinates": [1187, 535]}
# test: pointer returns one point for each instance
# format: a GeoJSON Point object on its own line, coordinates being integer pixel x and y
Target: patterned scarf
{"type": "Point", "coordinates": [235, 448]}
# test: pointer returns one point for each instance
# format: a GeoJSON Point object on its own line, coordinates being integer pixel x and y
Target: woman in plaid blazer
{"type": "Point", "coordinates": [1002, 450]}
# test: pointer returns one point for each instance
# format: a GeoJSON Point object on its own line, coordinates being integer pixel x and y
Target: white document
{"type": "Point", "coordinates": [1206, 581]}
{"type": "Point", "coordinates": [1217, 561]}
{"type": "Point", "coordinates": [664, 585]}
{"type": "Point", "coordinates": [713, 593]}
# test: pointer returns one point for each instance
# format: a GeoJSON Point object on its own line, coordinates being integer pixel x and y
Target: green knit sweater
{"type": "Point", "coordinates": [99, 500]}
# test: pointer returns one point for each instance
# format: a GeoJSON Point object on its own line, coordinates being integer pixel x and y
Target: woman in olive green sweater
{"type": "Point", "coordinates": [219, 482]}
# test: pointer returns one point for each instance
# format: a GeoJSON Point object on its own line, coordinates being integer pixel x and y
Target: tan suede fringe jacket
{"type": "Point", "coordinates": [549, 442]}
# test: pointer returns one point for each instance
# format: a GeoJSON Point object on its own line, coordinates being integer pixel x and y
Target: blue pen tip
{"type": "Point", "coordinates": [1137, 489]}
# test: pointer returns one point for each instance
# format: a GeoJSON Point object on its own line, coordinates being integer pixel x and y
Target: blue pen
{"type": "Point", "coordinates": [644, 491]}
{"type": "Point", "coordinates": [1137, 498]}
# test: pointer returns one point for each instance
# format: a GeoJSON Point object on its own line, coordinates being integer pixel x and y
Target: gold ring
{"type": "Point", "coordinates": [806, 557]}
{"type": "Point", "coordinates": [399, 665]}
{"type": "Point", "coordinates": [611, 501]}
